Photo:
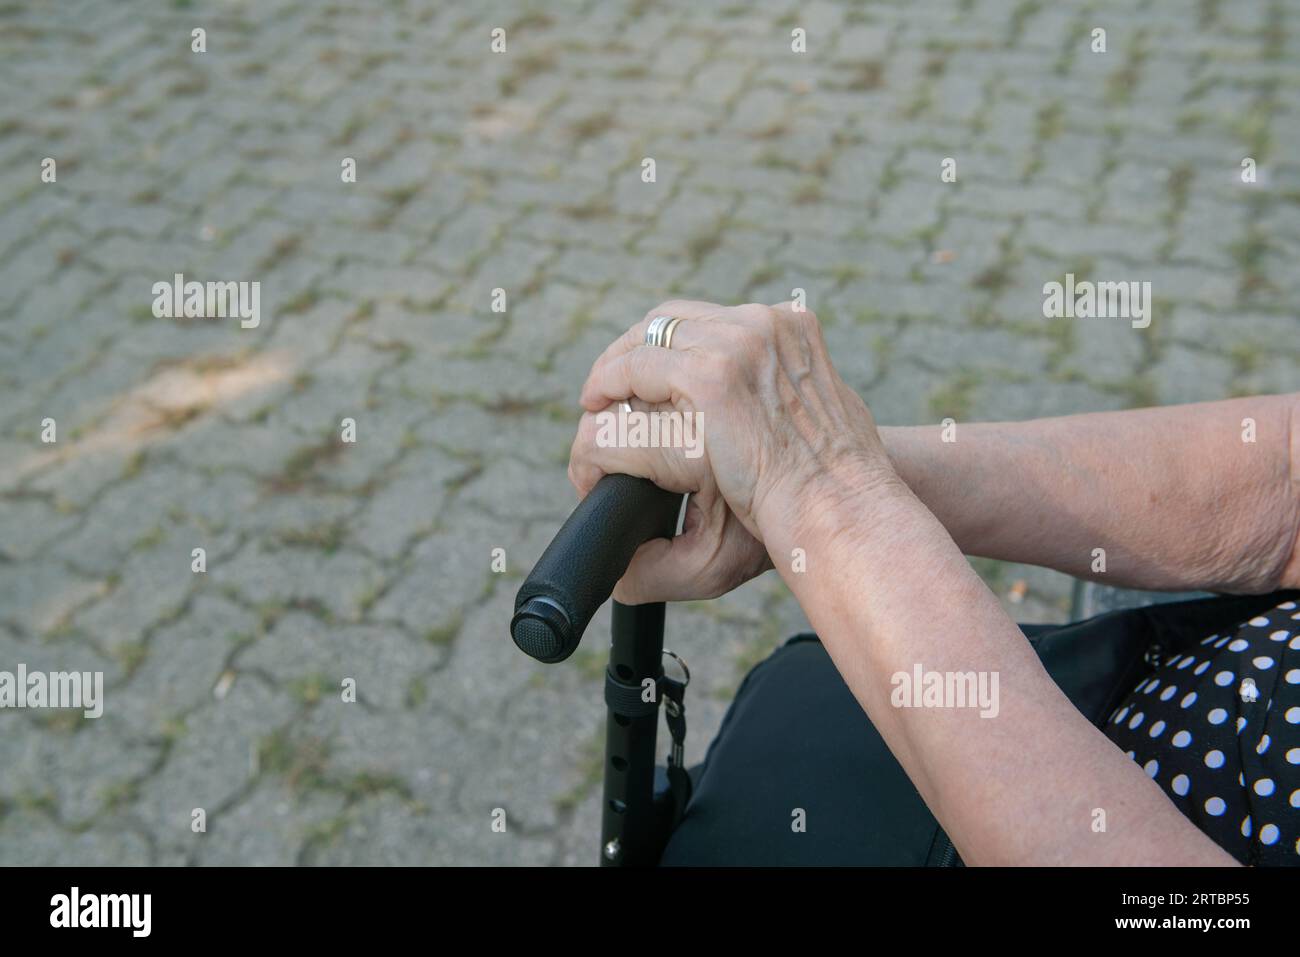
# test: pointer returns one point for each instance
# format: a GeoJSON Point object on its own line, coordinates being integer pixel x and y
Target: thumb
{"type": "Point", "coordinates": [651, 575]}
{"type": "Point", "coordinates": [698, 563]}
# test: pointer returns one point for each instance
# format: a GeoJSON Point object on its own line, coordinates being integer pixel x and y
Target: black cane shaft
{"type": "Point", "coordinates": [629, 823]}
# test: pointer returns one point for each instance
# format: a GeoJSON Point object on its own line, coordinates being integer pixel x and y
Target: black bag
{"type": "Point", "coordinates": [795, 741]}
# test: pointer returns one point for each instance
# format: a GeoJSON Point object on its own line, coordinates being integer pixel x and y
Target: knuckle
{"type": "Point", "coordinates": [587, 429]}
{"type": "Point", "coordinates": [753, 312]}
{"type": "Point", "coordinates": [574, 477]}
{"type": "Point", "coordinates": [635, 336]}
{"type": "Point", "coordinates": [756, 318]}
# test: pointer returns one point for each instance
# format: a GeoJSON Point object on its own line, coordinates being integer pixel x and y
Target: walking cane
{"type": "Point", "coordinates": [572, 579]}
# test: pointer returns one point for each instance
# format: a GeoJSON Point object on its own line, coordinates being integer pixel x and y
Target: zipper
{"type": "Point", "coordinates": [942, 852]}
{"type": "Point", "coordinates": [949, 853]}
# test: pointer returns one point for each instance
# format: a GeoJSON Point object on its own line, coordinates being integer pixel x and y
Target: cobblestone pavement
{"type": "Point", "coordinates": [522, 171]}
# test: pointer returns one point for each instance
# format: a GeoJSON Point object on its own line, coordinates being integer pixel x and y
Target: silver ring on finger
{"type": "Point", "coordinates": [660, 331]}
{"type": "Point", "coordinates": [654, 331]}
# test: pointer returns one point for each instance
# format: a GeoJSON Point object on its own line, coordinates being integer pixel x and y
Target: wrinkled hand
{"type": "Point", "coordinates": [776, 421]}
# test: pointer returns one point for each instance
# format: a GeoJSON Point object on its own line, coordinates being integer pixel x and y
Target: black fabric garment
{"type": "Point", "coordinates": [795, 746]}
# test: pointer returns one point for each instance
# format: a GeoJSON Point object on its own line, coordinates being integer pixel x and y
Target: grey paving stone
{"type": "Point", "coordinates": [270, 827]}
{"type": "Point", "coordinates": [39, 595]}
{"type": "Point", "coordinates": [31, 839]}
{"type": "Point", "coordinates": [213, 759]}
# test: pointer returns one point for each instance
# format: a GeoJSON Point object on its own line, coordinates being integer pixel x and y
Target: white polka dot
{"type": "Point", "coordinates": [1201, 668]}
{"type": "Point", "coordinates": [1137, 719]}
{"type": "Point", "coordinates": [1217, 716]}
{"type": "Point", "coordinates": [1259, 622]}
{"type": "Point", "coordinates": [1241, 723]}
{"type": "Point", "coordinates": [1294, 643]}
{"type": "Point", "coordinates": [1286, 606]}
{"type": "Point", "coordinates": [1152, 768]}
{"type": "Point", "coordinates": [1224, 678]}
{"type": "Point", "coordinates": [1293, 715]}
{"type": "Point", "coordinates": [1132, 755]}
{"type": "Point", "coordinates": [1215, 806]}
{"type": "Point", "coordinates": [1241, 644]}
{"type": "Point", "coordinates": [1180, 785]}
{"type": "Point", "coordinates": [1169, 692]}
{"type": "Point", "coordinates": [1189, 660]}
{"type": "Point", "coordinates": [1264, 787]}
{"type": "Point", "coordinates": [1122, 712]}
{"type": "Point", "coordinates": [1214, 759]}
{"type": "Point", "coordinates": [1221, 642]}
{"type": "Point", "coordinates": [1189, 699]}
{"type": "Point", "coordinates": [1264, 742]}
{"type": "Point", "coordinates": [1183, 738]}
{"type": "Point", "coordinates": [1263, 662]}
{"type": "Point", "coordinates": [1279, 636]}
{"type": "Point", "coordinates": [1295, 798]}
{"type": "Point", "coordinates": [1245, 826]}
{"type": "Point", "coordinates": [1293, 676]}
{"type": "Point", "coordinates": [1293, 756]}
{"type": "Point", "coordinates": [1157, 729]}
{"type": "Point", "coordinates": [1268, 834]}
{"type": "Point", "coordinates": [1208, 640]}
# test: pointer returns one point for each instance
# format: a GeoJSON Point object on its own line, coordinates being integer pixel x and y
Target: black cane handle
{"type": "Point", "coordinates": [585, 560]}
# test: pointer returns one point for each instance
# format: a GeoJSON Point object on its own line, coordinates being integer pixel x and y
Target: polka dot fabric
{"type": "Point", "coordinates": [1217, 726]}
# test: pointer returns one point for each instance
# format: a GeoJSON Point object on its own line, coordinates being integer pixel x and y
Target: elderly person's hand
{"type": "Point", "coordinates": [780, 431]}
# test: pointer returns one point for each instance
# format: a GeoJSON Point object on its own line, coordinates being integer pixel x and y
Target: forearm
{"type": "Point", "coordinates": [1174, 496]}
{"type": "Point", "coordinates": [887, 590]}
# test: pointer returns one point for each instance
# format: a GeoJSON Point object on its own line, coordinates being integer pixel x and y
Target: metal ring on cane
{"type": "Point", "coordinates": [682, 662]}
{"type": "Point", "coordinates": [669, 704]}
